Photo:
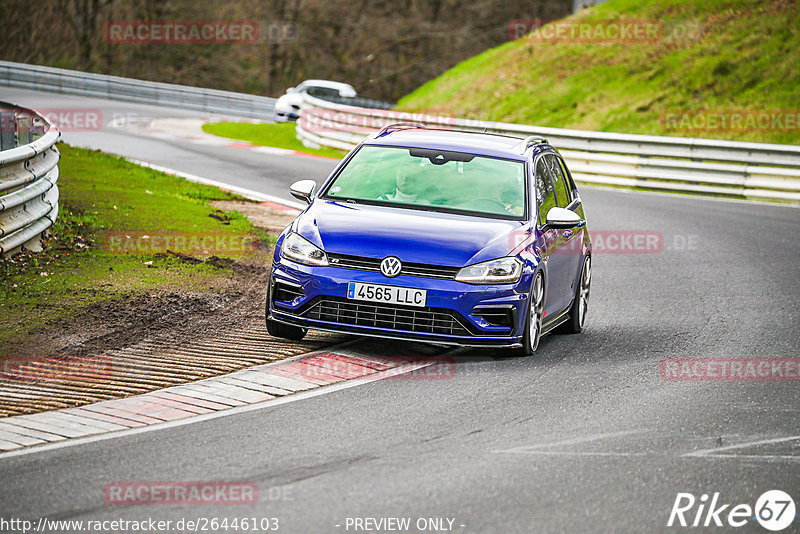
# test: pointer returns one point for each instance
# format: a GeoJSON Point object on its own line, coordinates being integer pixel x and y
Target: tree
{"type": "Point", "coordinates": [82, 16]}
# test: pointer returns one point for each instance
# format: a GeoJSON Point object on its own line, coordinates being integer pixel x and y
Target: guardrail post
{"type": "Point", "coordinates": [21, 131]}
{"type": "Point", "coordinates": [7, 129]}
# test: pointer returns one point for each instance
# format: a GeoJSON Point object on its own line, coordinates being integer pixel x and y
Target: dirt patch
{"type": "Point", "coordinates": [251, 268]}
{"type": "Point", "coordinates": [126, 320]}
{"type": "Point", "coordinates": [123, 321]}
{"type": "Point", "coordinates": [156, 338]}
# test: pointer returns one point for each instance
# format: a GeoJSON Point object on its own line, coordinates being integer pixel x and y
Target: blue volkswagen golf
{"type": "Point", "coordinates": [435, 235]}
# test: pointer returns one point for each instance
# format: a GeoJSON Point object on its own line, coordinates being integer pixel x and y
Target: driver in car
{"type": "Point", "coordinates": [404, 191]}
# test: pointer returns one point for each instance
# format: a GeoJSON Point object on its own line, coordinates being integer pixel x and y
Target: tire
{"type": "Point", "coordinates": [533, 323]}
{"type": "Point", "coordinates": [285, 331]}
{"type": "Point", "coordinates": [580, 304]}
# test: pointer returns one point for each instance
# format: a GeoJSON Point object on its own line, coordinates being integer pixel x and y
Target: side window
{"type": "Point", "coordinates": [560, 185]}
{"type": "Point", "coordinates": [545, 196]}
{"type": "Point", "coordinates": [322, 92]}
{"type": "Point", "coordinates": [569, 183]}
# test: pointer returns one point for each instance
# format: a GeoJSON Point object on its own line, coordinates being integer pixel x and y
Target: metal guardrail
{"type": "Point", "coordinates": [689, 165]}
{"type": "Point", "coordinates": [140, 91]}
{"type": "Point", "coordinates": [359, 101]}
{"type": "Point", "coordinates": [28, 176]}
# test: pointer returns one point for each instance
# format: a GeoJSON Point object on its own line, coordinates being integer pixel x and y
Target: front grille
{"type": "Point", "coordinates": [410, 269]}
{"type": "Point", "coordinates": [423, 320]}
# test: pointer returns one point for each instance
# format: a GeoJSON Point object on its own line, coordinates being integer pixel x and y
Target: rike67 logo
{"type": "Point", "coordinates": [774, 510]}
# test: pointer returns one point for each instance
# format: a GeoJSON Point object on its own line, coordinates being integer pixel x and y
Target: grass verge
{"type": "Point", "coordinates": [711, 62]}
{"type": "Point", "coordinates": [278, 135]}
{"type": "Point", "coordinates": [122, 231]}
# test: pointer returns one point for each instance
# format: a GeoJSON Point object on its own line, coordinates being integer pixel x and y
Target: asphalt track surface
{"type": "Point", "coordinates": [121, 134]}
{"type": "Point", "coordinates": [586, 436]}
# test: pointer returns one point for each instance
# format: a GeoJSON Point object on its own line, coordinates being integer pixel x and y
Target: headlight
{"type": "Point", "coordinates": [500, 271]}
{"type": "Point", "coordinates": [297, 248]}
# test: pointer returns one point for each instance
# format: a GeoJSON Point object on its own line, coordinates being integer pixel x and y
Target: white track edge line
{"type": "Point", "coordinates": [718, 450]}
{"type": "Point", "coordinates": [249, 193]}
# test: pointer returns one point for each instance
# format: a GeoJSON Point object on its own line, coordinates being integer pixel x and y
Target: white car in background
{"type": "Point", "coordinates": [287, 108]}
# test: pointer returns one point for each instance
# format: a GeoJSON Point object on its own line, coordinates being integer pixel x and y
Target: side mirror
{"type": "Point", "coordinates": [562, 218]}
{"type": "Point", "coordinates": [303, 190]}
{"type": "Point", "coordinates": [290, 90]}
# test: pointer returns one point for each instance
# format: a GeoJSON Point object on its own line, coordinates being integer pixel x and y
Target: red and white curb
{"type": "Point", "coordinates": [251, 386]}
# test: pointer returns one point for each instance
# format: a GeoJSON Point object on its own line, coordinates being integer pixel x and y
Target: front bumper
{"type": "Point", "coordinates": [456, 313]}
{"type": "Point", "coordinates": [288, 113]}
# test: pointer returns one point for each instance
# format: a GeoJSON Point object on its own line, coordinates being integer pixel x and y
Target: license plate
{"type": "Point", "coordinates": [387, 294]}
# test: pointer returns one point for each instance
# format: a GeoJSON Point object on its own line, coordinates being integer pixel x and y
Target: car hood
{"type": "Point", "coordinates": [411, 235]}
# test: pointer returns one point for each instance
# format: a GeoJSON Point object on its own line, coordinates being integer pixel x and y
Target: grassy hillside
{"type": "Point", "coordinates": [726, 58]}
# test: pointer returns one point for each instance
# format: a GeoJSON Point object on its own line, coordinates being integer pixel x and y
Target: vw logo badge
{"type": "Point", "coordinates": [391, 266]}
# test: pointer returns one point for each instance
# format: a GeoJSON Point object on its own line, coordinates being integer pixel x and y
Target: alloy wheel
{"type": "Point", "coordinates": [583, 295]}
{"type": "Point", "coordinates": [536, 310]}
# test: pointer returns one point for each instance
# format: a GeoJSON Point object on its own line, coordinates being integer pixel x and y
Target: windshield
{"type": "Point", "coordinates": [433, 179]}
{"type": "Point", "coordinates": [322, 92]}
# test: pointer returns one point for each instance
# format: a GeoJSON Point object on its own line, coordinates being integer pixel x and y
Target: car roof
{"type": "Point", "coordinates": [500, 146]}
{"type": "Point", "coordinates": [325, 83]}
